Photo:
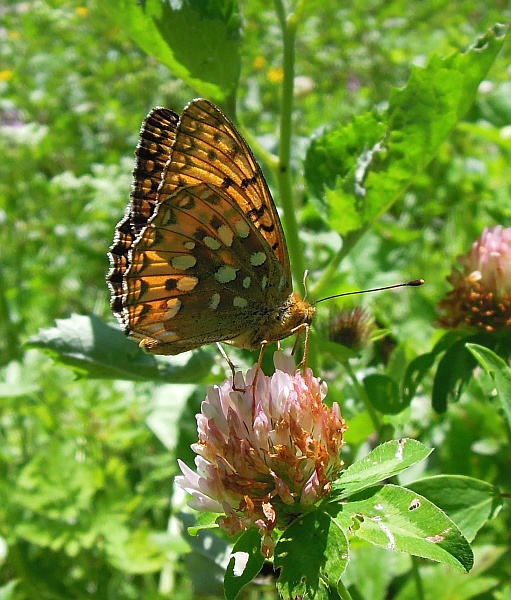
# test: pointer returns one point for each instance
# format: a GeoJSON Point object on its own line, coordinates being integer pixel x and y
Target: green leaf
{"type": "Point", "coordinates": [454, 370]}
{"type": "Point", "coordinates": [399, 519]}
{"type": "Point", "coordinates": [313, 550]}
{"type": "Point", "coordinates": [445, 584]}
{"type": "Point", "coordinates": [169, 404]}
{"type": "Point", "coordinates": [469, 502]}
{"type": "Point", "coordinates": [199, 41]}
{"type": "Point", "coordinates": [208, 560]}
{"type": "Point", "coordinates": [383, 393]}
{"type": "Point", "coordinates": [358, 171]}
{"type": "Point", "coordinates": [420, 366]}
{"type": "Point", "coordinates": [204, 520]}
{"type": "Point", "coordinates": [245, 563]}
{"type": "Point", "coordinates": [331, 166]}
{"type": "Point", "coordinates": [8, 591]}
{"type": "Point", "coordinates": [498, 370]}
{"type": "Point", "coordinates": [384, 461]}
{"type": "Point", "coordinates": [94, 349]}
{"type": "Point", "coordinates": [383, 566]}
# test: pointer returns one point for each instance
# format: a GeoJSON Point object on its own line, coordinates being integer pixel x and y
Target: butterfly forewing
{"type": "Point", "coordinates": [209, 149]}
{"type": "Point", "coordinates": [200, 255]}
{"type": "Point", "coordinates": [153, 151]}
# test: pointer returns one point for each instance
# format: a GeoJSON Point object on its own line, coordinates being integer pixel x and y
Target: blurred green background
{"type": "Point", "coordinates": [87, 464]}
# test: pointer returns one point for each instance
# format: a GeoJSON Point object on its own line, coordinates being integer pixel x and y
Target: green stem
{"type": "Point", "coordinates": [348, 242]}
{"type": "Point", "coordinates": [419, 588]}
{"type": "Point", "coordinates": [343, 591]}
{"type": "Point", "coordinates": [288, 25]}
{"type": "Point", "coordinates": [268, 160]}
{"type": "Point", "coordinates": [377, 424]}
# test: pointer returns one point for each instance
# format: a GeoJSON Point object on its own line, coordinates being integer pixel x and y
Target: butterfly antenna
{"type": "Point", "coordinates": [414, 283]}
{"type": "Point", "coordinates": [304, 281]}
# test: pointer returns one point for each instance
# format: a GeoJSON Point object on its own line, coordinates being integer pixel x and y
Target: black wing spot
{"type": "Point", "coordinates": [268, 228]}
{"type": "Point", "coordinates": [256, 213]}
{"type": "Point", "coordinates": [248, 181]}
{"type": "Point", "coordinates": [216, 222]}
{"type": "Point", "coordinates": [200, 233]}
{"type": "Point", "coordinates": [187, 203]}
{"type": "Point", "coordinates": [226, 183]}
{"type": "Point", "coordinates": [233, 151]}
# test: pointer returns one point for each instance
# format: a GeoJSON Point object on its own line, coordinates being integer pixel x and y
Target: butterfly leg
{"type": "Point", "coordinates": [264, 343]}
{"type": "Point", "coordinates": [228, 361]}
{"type": "Point", "coordinates": [298, 330]}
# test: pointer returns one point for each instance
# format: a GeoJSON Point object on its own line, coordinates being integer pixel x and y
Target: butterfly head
{"type": "Point", "coordinates": [293, 315]}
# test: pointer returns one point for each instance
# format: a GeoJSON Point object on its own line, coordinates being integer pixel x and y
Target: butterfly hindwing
{"type": "Point", "coordinates": [200, 271]}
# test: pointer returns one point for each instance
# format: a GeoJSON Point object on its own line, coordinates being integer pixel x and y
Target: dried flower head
{"type": "Point", "coordinates": [264, 455]}
{"type": "Point", "coordinates": [481, 294]}
{"type": "Point", "coordinates": [351, 327]}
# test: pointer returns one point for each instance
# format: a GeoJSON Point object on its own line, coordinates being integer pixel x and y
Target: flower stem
{"type": "Point", "coordinates": [377, 424]}
{"type": "Point", "coordinates": [348, 242]}
{"type": "Point", "coordinates": [288, 24]}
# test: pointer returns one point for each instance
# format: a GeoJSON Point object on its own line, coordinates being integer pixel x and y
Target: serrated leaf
{"type": "Point", "coordinates": [498, 370]}
{"type": "Point", "coordinates": [245, 563]}
{"type": "Point", "coordinates": [384, 461]}
{"type": "Point", "coordinates": [94, 349]}
{"type": "Point", "coordinates": [198, 41]}
{"type": "Point", "coordinates": [312, 551]}
{"type": "Point", "coordinates": [360, 170]}
{"type": "Point", "coordinates": [401, 520]}
{"type": "Point", "coordinates": [332, 162]}
{"type": "Point", "coordinates": [469, 502]}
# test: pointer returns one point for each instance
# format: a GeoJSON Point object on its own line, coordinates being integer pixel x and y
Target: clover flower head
{"type": "Point", "coordinates": [481, 294]}
{"type": "Point", "coordinates": [268, 449]}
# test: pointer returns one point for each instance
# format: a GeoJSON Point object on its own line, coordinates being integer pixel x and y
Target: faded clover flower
{"type": "Point", "coordinates": [266, 455]}
{"type": "Point", "coordinates": [481, 294]}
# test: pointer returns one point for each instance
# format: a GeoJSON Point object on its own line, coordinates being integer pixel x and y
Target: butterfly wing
{"type": "Point", "coordinates": [157, 134]}
{"type": "Point", "coordinates": [210, 263]}
{"type": "Point", "coordinates": [200, 273]}
{"type": "Point", "coordinates": [209, 148]}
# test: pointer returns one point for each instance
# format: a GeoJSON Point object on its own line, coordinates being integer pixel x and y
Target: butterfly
{"type": "Point", "coordinates": [200, 255]}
